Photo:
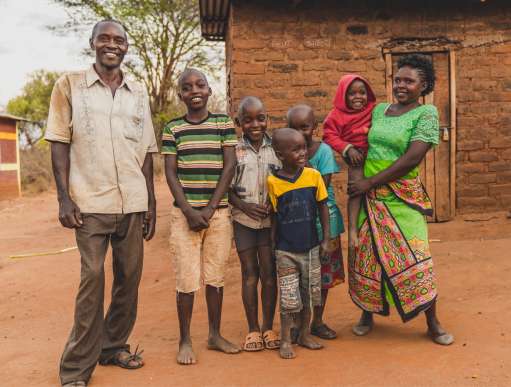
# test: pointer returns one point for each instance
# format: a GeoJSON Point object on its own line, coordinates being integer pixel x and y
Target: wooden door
{"type": "Point", "coordinates": [438, 168]}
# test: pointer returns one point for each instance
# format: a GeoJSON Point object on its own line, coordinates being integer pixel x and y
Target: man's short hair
{"type": "Point", "coordinates": [96, 27]}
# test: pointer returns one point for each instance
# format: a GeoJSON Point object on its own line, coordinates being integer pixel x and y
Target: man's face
{"type": "Point", "coordinates": [110, 44]}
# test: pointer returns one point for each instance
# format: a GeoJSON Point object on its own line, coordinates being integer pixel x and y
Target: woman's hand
{"type": "Point", "coordinates": [359, 187]}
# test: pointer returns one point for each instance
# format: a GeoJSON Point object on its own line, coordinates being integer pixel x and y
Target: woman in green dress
{"type": "Point", "coordinates": [392, 264]}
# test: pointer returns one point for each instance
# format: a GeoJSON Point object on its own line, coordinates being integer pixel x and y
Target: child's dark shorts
{"type": "Point", "coordinates": [248, 238]}
{"type": "Point", "coordinates": [299, 276]}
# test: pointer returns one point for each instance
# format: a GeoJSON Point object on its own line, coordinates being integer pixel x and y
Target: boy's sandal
{"type": "Point", "coordinates": [125, 361]}
{"type": "Point", "coordinates": [271, 340]}
{"type": "Point", "coordinates": [324, 332]}
{"type": "Point", "coordinates": [253, 342]}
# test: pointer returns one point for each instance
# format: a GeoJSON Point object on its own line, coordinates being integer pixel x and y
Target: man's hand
{"type": "Point", "coordinates": [355, 157]}
{"type": "Point", "coordinates": [149, 222]}
{"type": "Point", "coordinates": [69, 214]}
{"type": "Point", "coordinates": [196, 219]}
{"type": "Point", "coordinates": [255, 211]}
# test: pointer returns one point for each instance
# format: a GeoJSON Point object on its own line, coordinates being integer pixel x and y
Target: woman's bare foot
{"type": "Point", "coordinates": [185, 355]}
{"type": "Point", "coordinates": [365, 324]}
{"type": "Point", "coordinates": [438, 334]}
{"type": "Point", "coordinates": [218, 343]}
{"type": "Point", "coordinates": [286, 350]}
{"type": "Point", "coordinates": [306, 340]}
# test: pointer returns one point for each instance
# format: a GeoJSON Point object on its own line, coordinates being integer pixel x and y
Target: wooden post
{"type": "Point", "coordinates": [388, 76]}
{"type": "Point", "coordinates": [18, 161]}
{"type": "Point", "coordinates": [452, 164]}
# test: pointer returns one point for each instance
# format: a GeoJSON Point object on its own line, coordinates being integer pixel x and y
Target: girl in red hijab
{"type": "Point", "coordinates": [345, 129]}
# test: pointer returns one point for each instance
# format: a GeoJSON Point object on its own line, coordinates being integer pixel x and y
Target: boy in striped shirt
{"type": "Point", "coordinates": [199, 165]}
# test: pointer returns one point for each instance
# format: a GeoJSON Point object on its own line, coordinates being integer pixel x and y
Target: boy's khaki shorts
{"type": "Point", "coordinates": [209, 248]}
{"type": "Point", "coordinates": [299, 277]}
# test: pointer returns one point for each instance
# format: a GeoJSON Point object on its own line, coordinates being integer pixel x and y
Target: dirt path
{"type": "Point", "coordinates": [37, 296]}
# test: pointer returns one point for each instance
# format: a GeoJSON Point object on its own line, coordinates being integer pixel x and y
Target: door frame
{"type": "Point", "coordinates": [387, 54]}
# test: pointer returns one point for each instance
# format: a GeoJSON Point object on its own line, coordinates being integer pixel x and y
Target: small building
{"type": "Point", "coordinates": [293, 51]}
{"type": "Point", "coordinates": [10, 181]}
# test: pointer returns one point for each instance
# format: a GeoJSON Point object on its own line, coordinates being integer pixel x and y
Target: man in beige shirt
{"type": "Point", "coordinates": [102, 140]}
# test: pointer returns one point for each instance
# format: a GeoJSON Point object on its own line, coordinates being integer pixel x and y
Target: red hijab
{"type": "Point", "coordinates": [346, 117]}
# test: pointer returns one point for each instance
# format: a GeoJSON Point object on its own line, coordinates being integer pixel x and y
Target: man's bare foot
{"type": "Point", "coordinates": [365, 325]}
{"type": "Point", "coordinates": [306, 340]}
{"type": "Point", "coordinates": [286, 351]}
{"type": "Point", "coordinates": [185, 355]}
{"type": "Point", "coordinates": [218, 343]}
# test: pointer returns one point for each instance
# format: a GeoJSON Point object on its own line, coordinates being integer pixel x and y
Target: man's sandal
{"type": "Point", "coordinates": [271, 340]}
{"type": "Point", "coordinates": [253, 342]}
{"type": "Point", "coordinates": [125, 362]}
{"type": "Point", "coordinates": [77, 383]}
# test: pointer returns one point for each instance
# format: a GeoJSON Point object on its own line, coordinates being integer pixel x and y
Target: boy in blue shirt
{"type": "Point", "coordinates": [297, 195]}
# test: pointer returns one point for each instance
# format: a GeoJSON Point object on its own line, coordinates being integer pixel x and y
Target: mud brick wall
{"type": "Point", "coordinates": [288, 54]}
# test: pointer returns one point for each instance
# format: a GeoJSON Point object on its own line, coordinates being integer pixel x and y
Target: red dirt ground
{"type": "Point", "coordinates": [472, 265]}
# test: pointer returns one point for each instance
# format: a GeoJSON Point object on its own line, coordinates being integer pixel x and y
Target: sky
{"type": "Point", "coordinates": [27, 45]}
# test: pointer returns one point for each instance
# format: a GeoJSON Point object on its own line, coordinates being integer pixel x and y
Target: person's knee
{"type": "Point", "coordinates": [250, 279]}
{"type": "Point", "coordinates": [269, 280]}
{"type": "Point", "coordinates": [290, 298]}
{"type": "Point", "coordinates": [93, 274]}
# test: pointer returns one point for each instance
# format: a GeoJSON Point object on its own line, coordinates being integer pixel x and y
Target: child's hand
{"type": "Point", "coordinates": [196, 220]}
{"type": "Point", "coordinates": [324, 248]}
{"type": "Point", "coordinates": [255, 211]}
{"type": "Point", "coordinates": [355, 157]}
{"type": "Point", "coordinates": [207, 212]}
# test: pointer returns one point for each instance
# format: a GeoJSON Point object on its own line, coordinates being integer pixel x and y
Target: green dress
{"type": "Point", "coordinates": [393, 256]}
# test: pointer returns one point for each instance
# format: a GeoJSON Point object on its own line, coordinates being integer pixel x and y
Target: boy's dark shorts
{"type": "Point", "coordinates": [249, 238]}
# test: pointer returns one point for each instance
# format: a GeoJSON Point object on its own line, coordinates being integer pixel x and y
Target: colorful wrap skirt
{"type": "Point", "coordinates": [392, 261]}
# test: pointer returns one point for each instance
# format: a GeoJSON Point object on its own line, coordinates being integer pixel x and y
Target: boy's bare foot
{"type": "Point", "coordinates": [218, 343]}
{"type": "Point", "coordinates": [286, 351]}
{"type": "Point", "coordinates": [365, 325]}
{"type": "Point", "coordinates": [185, 355]}
{"type": "Point", "coordinates": [306, 340]}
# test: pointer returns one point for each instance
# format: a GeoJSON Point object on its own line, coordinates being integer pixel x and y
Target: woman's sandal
{"type": "Point", "coordinates": [324, 332]}
{"type": "Point", "coordinates": [271, 340]}
{"type": "Point", "coordinates": [124, 362]}
{"type": "Point", "coordinates": [253, 342]}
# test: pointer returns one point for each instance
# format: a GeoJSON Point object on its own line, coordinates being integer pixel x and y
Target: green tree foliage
{"type": "Point", "coordinates": [33, 104]}
{"type": "Point", "coordinates": [164, 37]}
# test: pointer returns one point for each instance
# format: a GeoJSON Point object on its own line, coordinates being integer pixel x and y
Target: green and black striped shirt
{"type": "Point", "coordinates": [200, 159]}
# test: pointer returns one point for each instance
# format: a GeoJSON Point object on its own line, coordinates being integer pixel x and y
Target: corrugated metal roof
{"type": "Point", "coordinates": [11, 117]}
{"type": "Point", "coordinates": [213, 16]}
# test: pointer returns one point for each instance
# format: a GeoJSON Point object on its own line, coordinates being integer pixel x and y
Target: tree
{"type": "Point", "coordinates": [33, 103]}
{"type": "Point", "coordinates": [164, 35]}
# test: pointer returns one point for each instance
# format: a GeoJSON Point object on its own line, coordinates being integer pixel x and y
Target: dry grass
{"type": "Point", "coordinates": [36, 174]}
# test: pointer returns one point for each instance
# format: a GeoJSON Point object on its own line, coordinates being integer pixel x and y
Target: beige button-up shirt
{"type": "Point", "coordinates": [109, 136]}
{"type": "Point", "coordinates": [250, 179]}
